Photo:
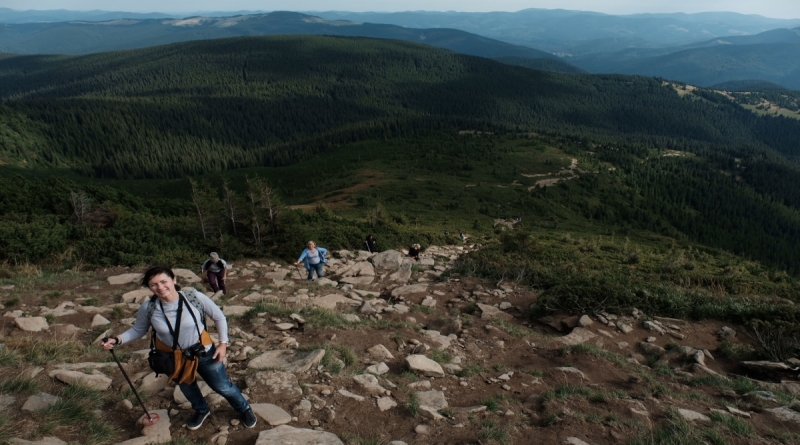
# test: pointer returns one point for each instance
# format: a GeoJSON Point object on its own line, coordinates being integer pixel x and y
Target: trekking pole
{"type": "Point", "coordinates": [299, 274]}
{"type": "Point", "coordinates": [152, 419]}
{"type": "Point", "coordinates": [368, 249]}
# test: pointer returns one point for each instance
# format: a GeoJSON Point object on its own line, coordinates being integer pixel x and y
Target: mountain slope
{"type": "Point", "coordinates": [91, 37]}
{"type": "Point", "coordinates": [772, 62]}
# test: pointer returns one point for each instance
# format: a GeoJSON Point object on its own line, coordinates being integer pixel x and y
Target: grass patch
{"type": "Point", "coordinates": [19, 384]}
{"type": "Point", "coordinates": [533, 372]}
{"type": "Point", "coordinates": [355, 439]}
{"type": "Point", "coordinates": [440, 356]}
{"type": "Point", "coordinates": [412, 403]}
{"type": "Point", "coordinates": [471, 370]}
{"type": "Point", "coordinates": [9, 357]}
{"type": "Point", "coordinates": [492, 433]}
{"type": "Point", "coordinates": [733, 425]}
{"type": "Point", "coordinates": [271, 309]}
{"type": "Point", "coordinates": [424, 309]}
{"type": "Point", "coordinates": [75, 412]}
{"type": "Point", "coordinates": [337, 358]}
{"type": "Point", "coordinates": [511, 328]}
{"type": "Point", "coordinates": [43, 352]}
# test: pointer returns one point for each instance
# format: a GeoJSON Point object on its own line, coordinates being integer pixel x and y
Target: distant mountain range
{"type": "Point", "coordinates": [703, 49]}
{"type": "Point", "coordinates": [82, 37]}
{"type": "Point", "coordinates": [772, 56]}
{"type": "Point", "coordinates": [581, 32]}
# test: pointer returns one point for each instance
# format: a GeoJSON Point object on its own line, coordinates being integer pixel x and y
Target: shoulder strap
{"type": "Point", "coordinates": [191, 297]}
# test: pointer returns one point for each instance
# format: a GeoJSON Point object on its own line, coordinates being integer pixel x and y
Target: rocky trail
{"type": "Point", "coordinates": [386, 350]}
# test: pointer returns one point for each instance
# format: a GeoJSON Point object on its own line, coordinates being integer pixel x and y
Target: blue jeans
{"type": "Point", "coordinates": [315, 268]}
{"type": "Point", "coordinates": [217, 379]}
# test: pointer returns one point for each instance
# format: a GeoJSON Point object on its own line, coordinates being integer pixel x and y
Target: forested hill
{"type": "Point", "coordinates": [166, 111]}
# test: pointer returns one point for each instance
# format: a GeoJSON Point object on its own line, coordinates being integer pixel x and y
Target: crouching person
{"type": "Point", "coordinates": [178, 321]}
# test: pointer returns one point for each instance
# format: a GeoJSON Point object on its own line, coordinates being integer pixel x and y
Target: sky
{"type": "Point", "coordinates": [769, 8]}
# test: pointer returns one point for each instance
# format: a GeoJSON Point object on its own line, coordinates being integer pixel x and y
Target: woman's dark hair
{"type": "Point", "coordinates": [158, 270]}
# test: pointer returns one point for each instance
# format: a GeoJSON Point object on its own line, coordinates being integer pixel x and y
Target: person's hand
{"type": "Point", "coordinates": [108, 343]}
{"type": "Point", "coordinates": [220, 353]}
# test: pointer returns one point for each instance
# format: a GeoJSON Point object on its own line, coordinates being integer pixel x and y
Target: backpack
{"type": "Point", "coordinates": [191, 297]}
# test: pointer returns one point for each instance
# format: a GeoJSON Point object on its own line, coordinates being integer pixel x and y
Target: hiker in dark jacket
{"type": "Point", "coordinates": [216, 268]}
{"type": "Point", "coordinates": [371, 243]}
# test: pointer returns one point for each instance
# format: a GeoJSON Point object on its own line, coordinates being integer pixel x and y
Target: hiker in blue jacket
{"type": "Point", "coordinates": [313, 258]}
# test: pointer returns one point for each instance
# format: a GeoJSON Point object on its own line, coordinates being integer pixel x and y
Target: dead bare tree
{"type": "Point", "coordinates": [264, 206]}
{"type": "Point", "coordinates": [81, 206]}
{"type": "Point", "coordinates": [231, 204]}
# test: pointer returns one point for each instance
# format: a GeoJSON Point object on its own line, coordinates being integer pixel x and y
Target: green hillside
{"type": "Point", "coordinates": [296, 138]}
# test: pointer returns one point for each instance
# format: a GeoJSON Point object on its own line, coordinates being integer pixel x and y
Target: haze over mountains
{"type": "Point", "coordinates": [704, 49]}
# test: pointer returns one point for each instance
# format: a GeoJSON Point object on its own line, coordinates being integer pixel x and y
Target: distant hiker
{"type": "Point", "coordinates": [462, 236]}
{"type": "Point", "coordinates": [177, 318]}
{"type": "Point", "coordinates": [313, 258]}
{"type": "Point", "coordinates": [371, 243]}
{"type": "Point", "coordinates": [413, 251]}
{"type": "Point", "coordinates": [446, 233]}
{"type": "Point", "coordinates": [216, 269]}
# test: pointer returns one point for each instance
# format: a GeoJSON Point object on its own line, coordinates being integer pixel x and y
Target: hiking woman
{"type": "Point", "coordinates": [216, 268]}
{"type": "Point", "coordinates": [174, 313]}
{"type": "Point", "coordinates": [313, 258]}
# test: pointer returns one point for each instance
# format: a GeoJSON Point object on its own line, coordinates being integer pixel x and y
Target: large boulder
{"type": "Point", "coordinates": [187, 275]}
{"type": "Point", "coordinates": [285, 434]}
{"type": "Point", "coordinates": [287, 360]}
{"type": "Point", "coordinates": [94, 381]}
{"type": "Point", "coordinates": [389, 259]}
{"type": "Point", "coordinates": [272, 414]}
{"type": "Point", "coordinates": [125, 278]}
{"type": "Point", "coordinates": [332, 300]}
{"type": "Point", "coordinates": [423, 365]}
{"type": "Point", "coordinates": [279, 385]}
{"type": "Point", "coordinates": [31, 324]}
{"type": "Point", "coordinates": [410, 289]}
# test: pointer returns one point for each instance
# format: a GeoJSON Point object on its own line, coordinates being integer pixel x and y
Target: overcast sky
{"type": "Point", "coordinates": [769, 8]}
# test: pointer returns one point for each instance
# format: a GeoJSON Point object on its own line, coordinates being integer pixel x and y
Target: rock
{"type": "Point", "coordinates": [422, 430]}
{"type": "Point", "coordinates": [577, 336]}
{"type": "Point", "coordinates": [699, 357]}
{"type": "Point", "coordinates": [738, 412]}
{"type": "Point", "coordinates": [187, 275]}
{"type": "Point", "coordinates": [6, 401]}
{"type": "Point", "coordinates": [137, 296]}
{"type": "Point", "coordinates": [279, 385]}
{"type": "Point", "coordinates": [430, 402]}
{"type": "Point", "coordinates": [571, 370]}
{"type": "Point", "coordinates": [345, 393]}
{"type": "Point", "coordinates": [491, 312]}
{"type": "Point", "coordinates": [330, 301]}
{"type": "Point", "coordinates": [765, 365]}
{"type": "Point", "coordinates": [726, 332]}
{"type": "Point", "coordinates": [43, 441]}
{"type": "Point", "coordinates": [651, 348]}
{"type": "Point", "coordinates": [287, 360]}
{"type": "Point", "coordinates": [366, 309]}
{"type": "Point", "coordinates": [446, 326]}
{"type": "Point", "coordinates": [388, 259]}
{"type": "Point", "coordinates": [285, 434]}
{"type": "Point", "coordinates": [352, 318]}
{"type": "Point", "coordinates": [624, 327]}
{"type": "Point", "coordinates": [386, 403]}
{"type": "Point", "coordinates": [152, 384]}
{"type": "Point", "coordinates": [272, 414]}
{"type": "Point", "coordinates": [326, 282]}
{"type": "Point", "coordinates": [472, 409]}
{"type": "Point", "coordinates": [94, 381]}
{"type": "Point", "coordinates": [284, 326]}
{"type": "Point", "coordinates": [420, 385]}
{"type": "Point", "coordinates": [358, 281]}
{"type": "Point", "coordinates": [424, 366]}
{"type": "Point", "coordinates": [65, 331]}
{"type": "Point", "coordinates": [39, 401]}
{"type": "Point", "coordinates": [584, 321]}
{"type": "Point", "coordinates": [379, 369]}
{"type": "Point", "coordinates": [99, 320]}
{"type": "Point", "coordinates": [369, 383]}
{"type": "Point", "coordinates": [159, 431]}
{"type": "Point", "coordinates": [409, 289]}
{"type": "Point", "coordinates": [31, 324]}
{"type": "Point", "coordinates": [234, 310]}
{"type": "Point", "coordinates": [574, 441]}
{"type": "Point", "coordinates": [379, 352]}
{"type": "Point", "coordinates": [652, 327]}
{"type": "Point", "coordinates": [693, 416]}
{"type": "Point", "coordinates": [786, 414]}
{"type": "Point", "coordinates": [125, 279]}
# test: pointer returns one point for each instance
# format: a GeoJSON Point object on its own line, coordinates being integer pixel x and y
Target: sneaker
{"type": "Point", "coordinates": [197, 420]}
{"type": "Point", "coordinates": [250, 418]}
